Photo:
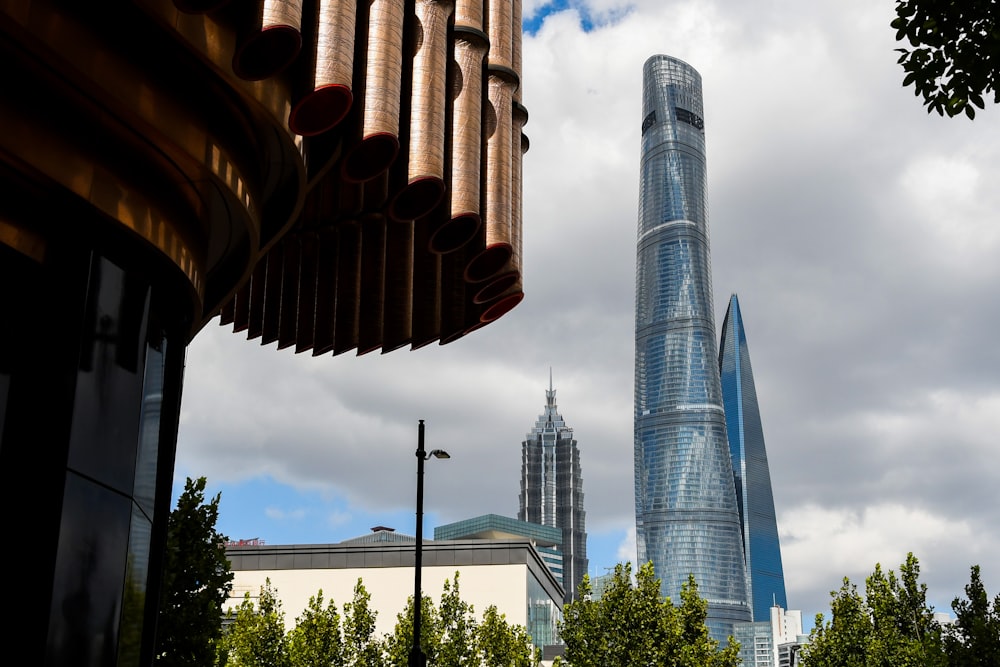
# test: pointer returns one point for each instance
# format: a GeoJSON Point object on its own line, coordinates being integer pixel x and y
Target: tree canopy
{"type": "Point", "coordinates": [196, 581]}
{"type": "Point", "coordinates": [894, 626]}
{"type": "Point", "coordinates": [973, 640]}
{"type": "Point", "coordinates": [633, 625]}
{"type": "Point", "coordinates": [954, 52]}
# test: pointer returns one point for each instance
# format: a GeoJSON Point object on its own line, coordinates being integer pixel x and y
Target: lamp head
{"type": "Point", "coordinates": [439, 454]}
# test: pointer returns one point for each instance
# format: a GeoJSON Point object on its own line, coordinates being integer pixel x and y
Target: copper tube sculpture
{"type": "Point", "coordinates": [380, 105]}
{"type": "Point", "coordinates": [425, 168]}
{"type": "Point", "coordinates": [273, 41]}
{"type": "Point", "coordinates": [305, 324]}
{"type": "Point", "coordinates": [329, 100]}
{"type": "Point", "coordinates": [470, 46]}
{"type": "Point", "coordinates": [371, 292]}
{"type": "Point", "coordinates": [397, 321]}
{"type": "Point", "coordinates": [498, 250]}
{"type": "Point", "coordinates": [509, 278]}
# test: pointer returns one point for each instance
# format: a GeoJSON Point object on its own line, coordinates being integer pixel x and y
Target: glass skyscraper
{"type": "Point", "coordinates": [765, 577]}
{"type": "Point", "coordinates": [552, 489]}
{"type": "Point", "coordinates": [687, 519]}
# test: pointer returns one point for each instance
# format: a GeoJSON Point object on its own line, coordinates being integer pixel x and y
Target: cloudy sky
{"type": "Point", "coordinates": [860, 233]}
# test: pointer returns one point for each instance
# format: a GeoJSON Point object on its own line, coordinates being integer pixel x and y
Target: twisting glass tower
{"type": "Point", "coordinates": [687, 520]}
{"type": "Point", "coordinates": [765, 577]}
{"type": "Point", "coordinates": [552, 488]}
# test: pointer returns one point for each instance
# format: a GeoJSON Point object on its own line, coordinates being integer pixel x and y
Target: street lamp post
{"type": "Point", "coordinates": [417, 657]}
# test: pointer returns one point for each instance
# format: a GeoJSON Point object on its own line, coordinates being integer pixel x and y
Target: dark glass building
{"type": "Point", "coordinates": [552, 489]}
{"type": "Point", "coordinates": [687, 518]}
{"type": "Point", "coordinates": [765, 577]}
{"type": "Point", "coordinates": [345, 180]}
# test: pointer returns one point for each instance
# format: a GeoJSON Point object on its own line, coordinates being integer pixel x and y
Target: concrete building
{"type": "Point", "coordinates": [507, 573]}
{"type": "Point", "coordinates": [169, 163]}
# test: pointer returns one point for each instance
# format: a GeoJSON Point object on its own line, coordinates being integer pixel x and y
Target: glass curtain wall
{"type": "Point", "coordinates": [687, 521]}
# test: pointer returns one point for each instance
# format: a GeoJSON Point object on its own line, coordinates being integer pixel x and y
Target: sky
{"type": "Point", "coordinates": [859, 232]}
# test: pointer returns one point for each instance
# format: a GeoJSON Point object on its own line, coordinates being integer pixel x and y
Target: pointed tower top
{"type": "Point", "coordinates": [550, 395]}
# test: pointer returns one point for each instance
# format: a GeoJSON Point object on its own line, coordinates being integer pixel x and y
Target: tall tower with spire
{"type": "Point", "coordinates": [686, 515]}
{"type": "Point", "coordinates": [552, 488]}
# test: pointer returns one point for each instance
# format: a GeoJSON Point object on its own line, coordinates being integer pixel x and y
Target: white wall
{"type": "Point", "coordinates": [505, 586]}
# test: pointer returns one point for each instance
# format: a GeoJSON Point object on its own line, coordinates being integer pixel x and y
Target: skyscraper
{"type": "Point", "coordinates": [552, 488]}
{"type": "Point", "coordinates": [687, 519]}
{"type": "Point", "coordinates": [765, 577]}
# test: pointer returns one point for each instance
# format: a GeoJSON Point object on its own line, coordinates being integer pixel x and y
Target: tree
{"type": "Point", "coordinates": [974, 638]}
{"type": "Point", "coordinates": [456, 627]}
{"type": "Point", "coordinates": [196, 581]}
{"type": "Point", "coordinates": [257, 636]}
{"type": "Point", "coordinates": [361, 647]}
{"type": "Point", "coordinates": [450, 636]}
{"type": "Point", "coordinates": [315, 641]}
{"type": "Point", "coordinates": [399, 644]}
{"type": "Point", "coordinates": [955, 54]}
{"type": "Point", "coordinates": [501, 644]}
{"type": "Point", "coordinates": [891, 627]}
{"type": "Point", "coordinates": [634, 625]}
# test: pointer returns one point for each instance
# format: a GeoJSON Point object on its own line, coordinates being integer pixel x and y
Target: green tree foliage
{"type": "Point", "coordinates": [954, 52]}
{"type": "Point", "coordinates": [315, 641]}
{"type": "Point", "coordinates": [892, 626]}
{"type": "Point", "coordinates": [399, 644]}
{"type": "Point", "coordinates": [450, 635]}
{"type": "Point", "coordinates": [501, 644]}
{"type": "Point", "coordinates": [457, 645]}
{"type": "Point", "coordinates": [256, 637]}
{"type": "Point", "coordinates": [196, 581]}
{"type": "Point", "coordinates": [974, 639]}
{"type": "Point", "coordinates": [361, 647]}
{"type": "Point", "coordinates": [633, 625]}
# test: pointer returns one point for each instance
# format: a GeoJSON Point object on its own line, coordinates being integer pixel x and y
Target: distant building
{"type": "Point", "coordinates": [686, 514]}
{"type": "Point", "coordinates": [547, 539]}
{"type": "Point", "coordinates": [771, 643]}
{"type": "Point", "coordinates": [552, 488]}
{"type": "Point", "coordinates": [508, 573]}
{"type": "Point", "coordinates": [762, 551]}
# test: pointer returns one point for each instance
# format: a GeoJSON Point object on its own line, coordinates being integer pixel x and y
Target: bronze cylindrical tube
{"type": "Point", "coordinates": [499, 28]}
{"type": "Point", "coordinates": [425, 168]}
{"type": "Point", "coordinates": [508, 280]}
{"type": "Point", "coordinates": [383, 81]}
{"type": "Point", "coordinates": [329, 100]}
{"type": "Point", "coordinates": [273, 41]}
{"type": "Point", "coordinates": [497, 160]}
{"type": "Point", "coordinates": [470, 46]}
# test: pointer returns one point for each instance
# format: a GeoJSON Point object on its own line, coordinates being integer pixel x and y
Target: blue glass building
{"type": "Point", "coordinates": [765, 577]}
{"type": "Point", "coordinates": [687, 519]}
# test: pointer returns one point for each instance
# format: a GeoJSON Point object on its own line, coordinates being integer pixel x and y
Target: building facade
{"type": "Point", "coordinates": [765, 575]}
{"type": "Point", "coordinates": [506, 573]}
{"type": "Point", "coordinates": [552, 488]}
{"type": "Point", "coordinates": [773, 641]}
{"type": "Point", "coordinates": [687, 518]}
{"type": "Point", "coordinates": [167, 164]}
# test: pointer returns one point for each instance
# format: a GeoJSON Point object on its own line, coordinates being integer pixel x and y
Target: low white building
{"type": "Point", "coordinates": [771, 643]}
{"type": "Point", "coordinates": [507, 573]}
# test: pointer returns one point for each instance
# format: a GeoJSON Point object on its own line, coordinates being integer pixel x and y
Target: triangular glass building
{"type": "Point", "coordinates": [687, 519]}
{"type": "Point", "coordinates": [765, 576]}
